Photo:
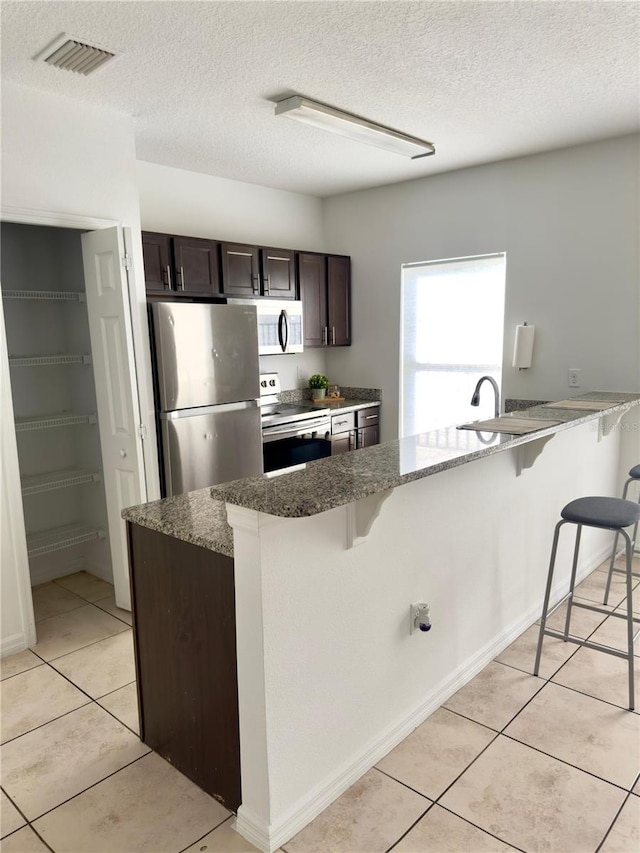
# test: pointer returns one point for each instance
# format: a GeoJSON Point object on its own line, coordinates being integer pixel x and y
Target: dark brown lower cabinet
{"type": "Point", "coordinates": [368, 436]}
{"type": "Point", "coordinates": [185, 649]}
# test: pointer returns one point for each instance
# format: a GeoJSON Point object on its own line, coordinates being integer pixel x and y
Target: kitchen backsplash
{"type": "Point", "coordinates": [349, 392]}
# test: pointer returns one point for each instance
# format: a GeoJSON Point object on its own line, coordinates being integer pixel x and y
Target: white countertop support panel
{"type": "Point", "coordinates": [329, 676]}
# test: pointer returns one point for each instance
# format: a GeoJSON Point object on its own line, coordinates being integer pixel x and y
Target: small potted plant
{"type": "Point", "coordinates": [318, 384]}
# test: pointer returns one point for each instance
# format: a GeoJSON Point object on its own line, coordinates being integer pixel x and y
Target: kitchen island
{"type": "Point", "coordinates": [327, 561]}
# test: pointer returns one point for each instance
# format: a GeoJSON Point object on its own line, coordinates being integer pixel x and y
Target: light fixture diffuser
{"type": "Point", "coordinates": [353, 127]}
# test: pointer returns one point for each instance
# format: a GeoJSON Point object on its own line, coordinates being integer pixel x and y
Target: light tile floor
{"type": "Point", "coordinates": [510, 762]}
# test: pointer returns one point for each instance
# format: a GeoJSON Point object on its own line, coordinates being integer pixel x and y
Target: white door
{"type": "Point", "coordinates": [107, 288]}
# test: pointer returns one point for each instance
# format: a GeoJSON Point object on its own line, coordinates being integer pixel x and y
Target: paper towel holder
{"type": "Point", "coordinates": [523, 346]}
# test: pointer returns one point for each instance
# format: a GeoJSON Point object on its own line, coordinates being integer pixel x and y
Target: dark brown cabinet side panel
{"type": "Point", "coordinates": [339, 300]}
{"type": "Point", "coordinates": [240, 275]}
{"type": "Point", "coordinates": [278, 273]}
{"type": "Point", "coordinates": [156, 252]}
{"type": "Point", "coordinates": [185, 648]}
{"type": "Point", "coordinates": [197, 265]}
{"type": "Point", "coordinates": [313, 293]}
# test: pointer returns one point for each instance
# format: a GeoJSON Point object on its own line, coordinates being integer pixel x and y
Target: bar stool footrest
{"type": "Point", "coordinates": [598, 647]}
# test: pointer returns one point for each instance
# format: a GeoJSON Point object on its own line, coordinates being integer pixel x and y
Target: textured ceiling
{"type": "Point", "coordinates": [483, 80]}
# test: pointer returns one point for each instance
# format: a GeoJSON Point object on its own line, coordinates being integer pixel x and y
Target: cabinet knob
{"type": "Point", "coordinates": [123, 453]}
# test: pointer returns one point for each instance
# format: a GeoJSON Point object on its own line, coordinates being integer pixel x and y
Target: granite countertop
{"type": "Point", "coordinates": [200, 517]}
{"type": "Point", "coordinates": [338, 480]}
{"type": "Point", "coordinates": [194, 517]}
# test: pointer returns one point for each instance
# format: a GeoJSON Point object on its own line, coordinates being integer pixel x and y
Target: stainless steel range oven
{"type": "Point", "coordinates": [292, 433]}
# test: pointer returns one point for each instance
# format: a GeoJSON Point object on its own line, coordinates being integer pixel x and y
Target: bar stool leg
{"type": "Point", "coordinates": [547, 595]}
{"type": "Point", "coordinates": [615, 543]}
{"type": "Point", "coordinates": [567, 621]}
{"type": "Point", "coordinates": [629, 551]}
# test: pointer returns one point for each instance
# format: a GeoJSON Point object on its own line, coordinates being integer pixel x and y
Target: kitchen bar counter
{"type": "Point", "coordinates": [319, 602]}
{"type": "Point", "coordinates": [339, 480]}
{"type": "Point", "coordinates": [200, 517]}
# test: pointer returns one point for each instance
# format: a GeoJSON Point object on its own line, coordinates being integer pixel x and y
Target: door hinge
{"type": "Point", "coordinates": [142, 431]}
{"type": "Point", "coordinates": [126, 261]}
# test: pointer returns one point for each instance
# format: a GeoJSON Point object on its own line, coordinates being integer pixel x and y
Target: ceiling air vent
{"type": "Point", "coordinates": [73, 55]}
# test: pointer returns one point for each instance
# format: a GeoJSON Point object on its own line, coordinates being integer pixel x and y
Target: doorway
{"type": "Point", "coordinates": [75, 404]}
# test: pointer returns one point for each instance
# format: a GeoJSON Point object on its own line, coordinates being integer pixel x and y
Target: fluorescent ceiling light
{"type": "Point", "coordinates": [353, 127]}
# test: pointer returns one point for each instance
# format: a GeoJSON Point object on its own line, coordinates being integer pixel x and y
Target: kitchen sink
{"type": "Point", "coordinates": [510, 425]}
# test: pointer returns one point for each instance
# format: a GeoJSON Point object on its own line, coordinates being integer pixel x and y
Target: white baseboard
{"type": "Point", "coordinates": [268, 837]}
{"type": "Point", "coordinates": [99, 571]}
{"type": "Point", "coordinates": [43, 570]}
{"type": "Point", "coordinates": [12, 645]}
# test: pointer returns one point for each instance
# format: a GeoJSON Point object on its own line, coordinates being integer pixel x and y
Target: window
{"type": "Point", "coordinates": [452, 318]}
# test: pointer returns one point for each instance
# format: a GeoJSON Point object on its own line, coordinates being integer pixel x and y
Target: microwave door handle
{"type": "Point", "coordinates": [283, 330]}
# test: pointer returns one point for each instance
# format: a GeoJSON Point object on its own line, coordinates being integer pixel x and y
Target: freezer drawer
{"type": "Point", "coordinates": [204, 447]}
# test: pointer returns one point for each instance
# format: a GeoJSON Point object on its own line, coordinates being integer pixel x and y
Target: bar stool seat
{"type": "Point", "coordinates": [609, 513]}
{"type": "Point", "coordinates": [606, 513]}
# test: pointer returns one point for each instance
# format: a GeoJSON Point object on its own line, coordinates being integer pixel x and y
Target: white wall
{"type": "Point", "coordinates": [64, 158]}
{"type": "Point", "coordinates": [568, 221]}
{"type": "Point", "coordinates": [174, 201]}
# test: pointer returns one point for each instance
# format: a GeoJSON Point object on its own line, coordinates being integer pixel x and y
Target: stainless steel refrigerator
{"type": "Point", "coordinates": [207, 373]}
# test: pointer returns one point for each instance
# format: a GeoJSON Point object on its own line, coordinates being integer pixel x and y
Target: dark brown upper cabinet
{"type": "Point", "coordinates": [325, 291]}
{"type": "Point", "coordinates": [252, 271]}
{"type": "Point", "coordinates": [278, 273]}
{"type": "Point", "coordinates": [181, 265]}
{"type": "Point", "coordinates": [197, 265]}
{"type": "Point", "coordinates": [156, 251]}
{"type": "Point", "coordinates": [240, 273]}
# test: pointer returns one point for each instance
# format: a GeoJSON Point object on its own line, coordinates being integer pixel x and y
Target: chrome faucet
{"type": "Point", "coordinates": [475, 400]}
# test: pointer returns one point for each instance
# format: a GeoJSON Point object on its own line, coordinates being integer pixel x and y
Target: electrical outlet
{"type": "Point", "coordinates": [573, 377]}
{"type": "Point", "coordinates": [299, 372]}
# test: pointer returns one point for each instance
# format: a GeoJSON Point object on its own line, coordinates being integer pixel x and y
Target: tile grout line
{"type": "Point", "coordinates": [92, 643]}
{"type": "Point", "coordinates": [66, 713]}
{"type": "Point", "coordinates": [567, 763]}
{"type": "Point", "coordinates": [89, 787]}
{"type": "Point", "coordinates": [217, 826]}
{"type": "Point", "coordinates": [404, 834]}
{"type": "Point", "coordinates": [614, 821]}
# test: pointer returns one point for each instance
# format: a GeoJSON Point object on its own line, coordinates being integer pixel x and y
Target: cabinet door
{"type": "Point", "coordinates": [240, 275]}
{"type": "Point", "coordinates": [197, 265]}
{"type": "Point", "coordinates": [156, 250]}
{"type": "Point", "coordinates": [313, 293]}
{"type": "Point", "coordinates": [278, 273]}
{"type": "Point", "coordinates": [339, 300]}
{"type": "Point", "coordinates": [368, 436]}
{"type": "Point", "coordinates": [343, 443]}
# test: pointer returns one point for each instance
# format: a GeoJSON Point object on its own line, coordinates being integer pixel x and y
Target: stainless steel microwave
{"type": "Point", "coordinates": [279, 325]}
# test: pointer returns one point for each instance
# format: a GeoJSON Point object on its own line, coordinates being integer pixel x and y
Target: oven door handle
{"type": "Point", "coordinates": [316, 430]}
{"type": "Point", "coordinates": [283, 330]}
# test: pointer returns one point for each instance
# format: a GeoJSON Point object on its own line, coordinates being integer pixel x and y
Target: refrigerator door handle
{"type": "Point", "coordinates": [283, 330]}
{"type": "Point", "coordinates": [176, 414]}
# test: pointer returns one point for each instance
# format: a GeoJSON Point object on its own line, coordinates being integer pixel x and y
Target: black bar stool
{"type": "Point", "coordinates": [634, 477]}
{"type": "Point", "coordinates": [610, 514]}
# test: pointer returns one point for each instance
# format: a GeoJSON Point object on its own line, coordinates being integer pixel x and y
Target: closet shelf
{"type": "Point", "coordinates": [42, 360]}
{"type": "Point", "coordinates": [50, 295]}
{"type": "Point", "coordinates": [55, 420]}
{"type": "Point", "coordinates": [37, 483]}
{"type": "Point", "coordinates": [58, 538]}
